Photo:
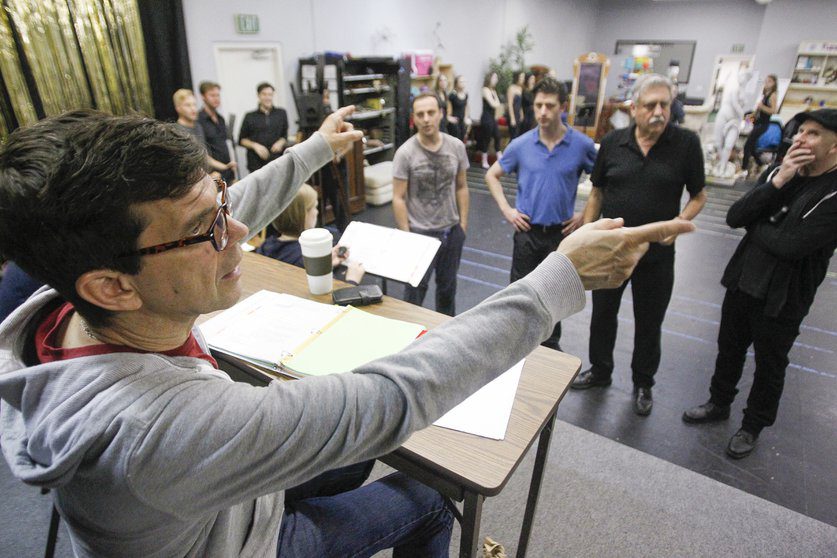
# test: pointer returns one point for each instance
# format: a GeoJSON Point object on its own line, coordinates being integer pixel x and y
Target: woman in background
{"type": "Point", "coordinates": [301, 215]}
{"type": "Point", "coordinates": [489, 129]}
{"type": "Point", "coordinates": [765, 108]}
{"type": "Point", "coordinates": [528, 105]}
{"type": "Point", "coordinates": [458, 121]}
{"type": "Point", "coordinates": [441, 92]}
{"type": "Point", "coordinates": [514, 97]}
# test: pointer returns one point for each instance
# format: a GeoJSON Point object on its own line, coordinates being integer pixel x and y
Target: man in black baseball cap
{"type": "Point", "coordinates": [771, 280]}
{"type": "Point", "coordinates": [826, 117]}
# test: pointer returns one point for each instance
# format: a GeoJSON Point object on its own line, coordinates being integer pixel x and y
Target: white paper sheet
{"type": "Point", "coordinates": [267, 326]}
{"type": "Point", "coordinates": [391, 253]}
{"type": "Point", "coordinates": [486, 413]}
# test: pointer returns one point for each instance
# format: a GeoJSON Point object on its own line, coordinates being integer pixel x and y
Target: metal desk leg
{"type": "Point", "coordinates": [535, 486]}
{"type": "Point", "coordinates": [471, 525]}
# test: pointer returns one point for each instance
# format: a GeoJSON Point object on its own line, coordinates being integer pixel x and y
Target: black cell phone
{"type": "Point", "coordinates": [358, 296]}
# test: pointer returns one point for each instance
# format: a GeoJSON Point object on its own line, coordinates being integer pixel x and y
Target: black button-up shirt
{"type": "Point", "coordinates": [646, 188]}
{"type": "Point", "coordinates": [265, 129]}
{"type": "Point", "coordinates": [215, 132]}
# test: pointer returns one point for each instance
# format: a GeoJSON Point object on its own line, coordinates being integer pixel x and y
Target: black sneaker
{"type": "Point", "coordinates": [708, 412]}
{"type": "Point", "coordinates": [587, 379]}
{"type": "Point", "coordinates": [742, 444]}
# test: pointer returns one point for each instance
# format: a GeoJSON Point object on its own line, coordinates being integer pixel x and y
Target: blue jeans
{"type": "Point", "coordinates": [330, 516]}
{"type": "Point", "coordinates": [446, 265]}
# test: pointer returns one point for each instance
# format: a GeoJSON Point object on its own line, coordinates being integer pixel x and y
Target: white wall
{"type": "Point", "coordinates": [471, 31]}
{"type": "Point", "coordinates": [786, 24]}
{"type": "Point", "coordinates": [715, 25]}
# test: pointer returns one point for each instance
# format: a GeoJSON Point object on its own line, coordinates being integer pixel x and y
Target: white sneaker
{"type": "Point", "coordinates": [485, 161]}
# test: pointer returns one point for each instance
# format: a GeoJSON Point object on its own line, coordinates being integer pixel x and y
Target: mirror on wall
{"type": "Point", "coordinates": [589, 77]}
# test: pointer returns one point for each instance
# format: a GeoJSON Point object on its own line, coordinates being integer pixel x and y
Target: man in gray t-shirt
{"type": "Point", "coordinates": [430, 196]}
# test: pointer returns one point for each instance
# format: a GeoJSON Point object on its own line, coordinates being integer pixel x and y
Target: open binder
{"type": "Point", "coordinates": [299, 337]}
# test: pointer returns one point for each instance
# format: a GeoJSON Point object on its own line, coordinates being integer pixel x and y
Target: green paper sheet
{"type": "Point", "coordinates": [355, 338]}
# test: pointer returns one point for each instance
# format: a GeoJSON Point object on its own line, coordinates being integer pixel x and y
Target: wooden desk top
{"type": "Point", "coordinates": [479, 464]}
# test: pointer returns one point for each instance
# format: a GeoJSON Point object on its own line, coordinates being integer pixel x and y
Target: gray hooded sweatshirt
{"type": "Point", "coordinates": [151, 455]}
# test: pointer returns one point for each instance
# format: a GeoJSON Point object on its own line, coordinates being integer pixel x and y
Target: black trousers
{"type": "Point", "coordinates": [446, 265]}
{"type": "Point", "coordinates": [743, 323]}
{"type": "Point", "coordinates": [750, 144]}
{"type": "Point", "coordinates": [530, 249]}
{"type": "Point", "coordinates": [333, 180]}
{"type": "Point", "coordinates": [489, 129]}
{"type": "Point", "coordinates": [457, 130]}
{"type": "Point", "coordinates": [651, 285]}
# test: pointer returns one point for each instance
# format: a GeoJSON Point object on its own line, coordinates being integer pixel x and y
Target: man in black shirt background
{"type": "Point", "coordinates": [771, 280]}
{"type": "Point", "coordinates": [639, 175]}
{"type": "Point", "coordinates": [264, 131]}
{"type": "Point", "coordinates": [215, 128]}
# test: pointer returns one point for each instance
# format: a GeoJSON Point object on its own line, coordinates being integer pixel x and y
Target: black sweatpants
{"type": "Point", "coordinates": [651, 285]}
{"type": "Point", "coordinates": [743, 323]}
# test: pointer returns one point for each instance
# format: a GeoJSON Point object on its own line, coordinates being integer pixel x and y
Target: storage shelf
{"type": "Point", "coordinates": [367, 114]}
{"type": "Point", "coordinates": [372, 150]}
{"type": "Point", "coordinates": [362, 90]}
{"type": "Point", "coordinates": [813, 87]}
{"type": "Point", "coordinates": [362, 77]}
{"type": "Point", "coordinates": [808, 70]}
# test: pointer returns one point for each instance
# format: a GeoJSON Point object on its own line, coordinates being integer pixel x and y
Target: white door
{"type": "Point", "coordinates": [240, 67]}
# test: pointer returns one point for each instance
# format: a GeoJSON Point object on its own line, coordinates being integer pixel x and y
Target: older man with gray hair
{"type": "Point", "coordinates": [639, 175]}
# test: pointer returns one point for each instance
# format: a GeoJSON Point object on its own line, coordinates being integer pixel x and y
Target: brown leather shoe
{"type": "Point", "coordinates": [708, 412]}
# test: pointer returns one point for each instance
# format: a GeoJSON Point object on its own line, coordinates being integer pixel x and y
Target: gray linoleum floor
{"type": "Point", "coordinates": [794, 463]}
{"type": "Point", "coordinates": [604, 497]}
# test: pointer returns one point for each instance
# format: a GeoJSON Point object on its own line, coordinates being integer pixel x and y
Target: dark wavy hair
{"type": "Point", "coordinates": [549, 86]}
{"type": "Point", "coordinates": [68, 189]}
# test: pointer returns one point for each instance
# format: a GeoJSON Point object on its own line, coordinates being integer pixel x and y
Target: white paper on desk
{"type": "Point", "coordinates": [267, 326]}
{"type": "Point", "coordinates": [486, 413]}
{"type": "Point", "coordinates": [392, 253]}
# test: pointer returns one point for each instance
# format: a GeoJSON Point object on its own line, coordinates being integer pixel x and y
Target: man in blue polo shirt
{"type": "Point", "coordinates": [548, 161]}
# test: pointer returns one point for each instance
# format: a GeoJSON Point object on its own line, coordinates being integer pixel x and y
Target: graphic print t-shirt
{"type": "Point", "coordinates": [431, 181]}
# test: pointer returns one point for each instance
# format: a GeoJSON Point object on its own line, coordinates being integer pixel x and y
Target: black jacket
{"type": "Point", "coordinates": [791, 236]}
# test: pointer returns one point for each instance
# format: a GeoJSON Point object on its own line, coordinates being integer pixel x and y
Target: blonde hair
{"type": "Point", "coordinates": [292, 220]}
{"type": "Point", "coordinates": [181, 95]}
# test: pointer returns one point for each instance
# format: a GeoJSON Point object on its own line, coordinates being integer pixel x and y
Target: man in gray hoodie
{"type": "Point", "coordinates": [108, 394]}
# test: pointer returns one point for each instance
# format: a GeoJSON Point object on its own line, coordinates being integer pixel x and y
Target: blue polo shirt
{"type": "Point", "coordinates": [547, 181]}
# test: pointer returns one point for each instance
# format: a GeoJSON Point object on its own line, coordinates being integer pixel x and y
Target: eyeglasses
{"type": "Point", "coordinates": [217, 234]}
{"type": "Point", "coordinates": [651, 105]}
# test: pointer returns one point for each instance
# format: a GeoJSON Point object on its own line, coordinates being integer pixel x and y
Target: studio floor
{"type": "Point", "coordinates": [617, 484]}
{"type": "Point", "coordinates": [793, 465]}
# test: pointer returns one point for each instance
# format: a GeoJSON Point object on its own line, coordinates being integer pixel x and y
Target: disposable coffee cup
{"type": "Point", "coordinates": [316, 256]}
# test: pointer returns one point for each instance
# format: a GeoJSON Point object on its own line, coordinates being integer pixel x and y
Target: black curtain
{"type": "Point", "coordinates": [164, 33]}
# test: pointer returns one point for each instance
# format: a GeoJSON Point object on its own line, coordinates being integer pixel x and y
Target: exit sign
{"type": "Point", "coordinates": [246, 24]}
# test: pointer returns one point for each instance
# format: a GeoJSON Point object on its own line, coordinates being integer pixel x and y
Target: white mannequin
{"type": "Point", "coordinates": [729, 118]}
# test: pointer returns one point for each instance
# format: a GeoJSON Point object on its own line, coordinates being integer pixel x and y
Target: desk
{"type": "Point", "coordinates": [461, 466]}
